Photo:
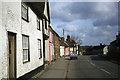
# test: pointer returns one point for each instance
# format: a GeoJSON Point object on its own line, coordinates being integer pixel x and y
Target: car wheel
{"type": "Point", "coordinates": [76, 58]}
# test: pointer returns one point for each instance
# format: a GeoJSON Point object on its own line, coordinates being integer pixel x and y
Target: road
{"type": "Point", "coordinates": [85, 67]}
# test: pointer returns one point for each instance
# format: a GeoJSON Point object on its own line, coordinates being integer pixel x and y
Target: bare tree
{"type": "Point", "coordinates": [76, 38]}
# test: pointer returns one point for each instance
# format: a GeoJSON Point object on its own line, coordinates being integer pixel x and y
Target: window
{"type": "Point", "coordinates": [39, 48]}
{"type": "Point", "coordinates": [38, 24]}
{"type": "Point", "coordinates": [25, 44]}
{"type": "Point", "coordinates": [24, 11]}
{"type": "Point", "coordinates": [45, 24]}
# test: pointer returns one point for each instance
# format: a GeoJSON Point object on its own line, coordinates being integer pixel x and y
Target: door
{"type": "Point", "coordinates": [12, 56]}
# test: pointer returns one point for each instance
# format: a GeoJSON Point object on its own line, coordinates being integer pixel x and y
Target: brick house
{"type": "Point", "coordinates": [57, 45]}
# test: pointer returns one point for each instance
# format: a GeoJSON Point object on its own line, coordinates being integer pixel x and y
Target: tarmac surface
{"type": "Point", "coordinates": [91, 67]}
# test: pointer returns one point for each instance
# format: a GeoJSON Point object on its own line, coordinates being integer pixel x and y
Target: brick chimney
{"type": "Point", "coordinates": [62, 38]}
{"type": "Point", "coordinates": [68, 37]}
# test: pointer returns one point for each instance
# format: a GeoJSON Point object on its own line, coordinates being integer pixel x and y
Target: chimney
{"type": "Point", "coordinates": [100, 44]}
{"type": "Point", "coordinates": [62, 38]}
{"type": "Point", "coordinates": [68, 37]}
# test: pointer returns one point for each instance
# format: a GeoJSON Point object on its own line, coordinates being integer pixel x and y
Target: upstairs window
{"type": "Point", "coordinates": [45, 24]}
{"type": "Point", "coordinates": [24, 11]}
{"type": "Point", "coordinates": [38, 24]}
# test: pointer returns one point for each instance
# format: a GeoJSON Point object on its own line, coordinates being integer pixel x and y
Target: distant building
{"type": "Point", "coordinates": [105, 50]}
{"type": "Point", "coordinates": [73, 46]}
{"type": "Point", "coordinates": [62, 46]}
{"type": "Point", "coordinates": [114, 47]}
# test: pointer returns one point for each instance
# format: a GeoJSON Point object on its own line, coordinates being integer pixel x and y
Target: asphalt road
{"type": "Point", "coordinates": [95, 67]}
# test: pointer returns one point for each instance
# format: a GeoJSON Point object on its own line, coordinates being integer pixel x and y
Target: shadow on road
{"type": "Point", "coordinates": [104, 58]}
{"type": "Point", "coordinates": [97, 58]}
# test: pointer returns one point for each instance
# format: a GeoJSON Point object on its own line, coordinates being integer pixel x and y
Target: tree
{"type": "Point", "coordinates": [76, 38]}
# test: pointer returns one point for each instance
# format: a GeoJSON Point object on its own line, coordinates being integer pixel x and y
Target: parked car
{"type": "Point", "coordinates": [73, 56]}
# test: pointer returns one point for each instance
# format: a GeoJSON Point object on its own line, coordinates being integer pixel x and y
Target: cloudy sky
{"type": "Point", "coordinates": [93, 22]}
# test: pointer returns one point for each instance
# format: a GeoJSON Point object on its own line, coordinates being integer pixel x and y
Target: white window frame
{"type": "Point", "coordinates": [25, 7]}
{"type": "Point", "coordinates": [39, 49]}
{"type": "Point", "coordinates": [25, 46]}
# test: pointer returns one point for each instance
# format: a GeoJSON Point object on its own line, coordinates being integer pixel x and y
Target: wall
{"type": "Point", "coordinates": [53, 47]}
{"type": "Point", "coordinates": [12, 22]}
{"type": "Point", "coordinates": [47, 33]}
{"type": "Point", "coordinates": [105, 50]}
{"type": "Point", "coordinates": [46, 14]}
{"type": "Point", "coordinates": [50, 45]}
{"type": "Point", "coordinates": [46, 50]}
{"type": "Point", "coordinates": [61, 50]}
{"type": "Point", "coordinates": [71, 50]}
{"type": "Point", "coordinates": [67, 51]}
{"type": "Point", "coordinates": [0, 36]}
{"type": "Point", "coordinates": [30, 29]}
{"type": "Point", "coordinates": [57, 46]}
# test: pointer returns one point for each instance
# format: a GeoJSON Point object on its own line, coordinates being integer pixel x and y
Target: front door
{"type": "Point", "coordinates": [11, 45]}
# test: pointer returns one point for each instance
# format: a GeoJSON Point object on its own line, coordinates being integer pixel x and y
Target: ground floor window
{"type": "Point", "coordinates": [39, 48]}
{"type": "Point", "coordinates": [25, 45]}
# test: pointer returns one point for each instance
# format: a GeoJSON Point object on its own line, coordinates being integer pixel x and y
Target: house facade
{"type": "Point", "coordinates": [50, 44]}
{"type": "Point", "coordinates": [21, 37]}
{"type": "Point", "coordinates": [46, 23]}
{"type": "Point", "coordinates": [62, 46]}
{"type": "Point", "coordinates": [71, 43]}
{"type": "Point", "coordinates": [57, 45]}
{"type": "Point", "coordinates": [53, 46]}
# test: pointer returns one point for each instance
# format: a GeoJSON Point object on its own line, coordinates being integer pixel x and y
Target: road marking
{"type": "Point", "coordinates": [93, 64]}
{"type": "Point", "coordinates": [88, 60]}
{"type": "Point", "coordinates": [105, 71]}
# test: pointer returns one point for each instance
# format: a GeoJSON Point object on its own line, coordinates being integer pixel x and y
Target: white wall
{"type": "Point", "coordinates": [47, 33]}
{"type": "Point", "coordinates": [12, 22]}
{"type": "Point", "coordinates": [30, 29]}
{"type": "Point", "coordinates": [71, 50]}
{"type": "Point", "coordinates": [61, 50]}
{"type": "Point", "coordinates": [1, 51]}
{"type": "Point", "coordinates": [105, 50]}
{"type": "Point", "coordinates": [46, 50]}
{"type": "Point", "coordinates": [45, 13]}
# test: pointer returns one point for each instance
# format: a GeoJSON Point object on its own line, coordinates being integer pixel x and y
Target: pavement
{"type": "Point", "coordinates": [86, 67]}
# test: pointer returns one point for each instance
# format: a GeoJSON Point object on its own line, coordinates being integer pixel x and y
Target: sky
{"type": "Point", "coordinates": [93, 22]}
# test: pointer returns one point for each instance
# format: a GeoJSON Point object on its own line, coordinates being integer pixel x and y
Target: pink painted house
{"type": "Point", "coordinates": [50, 44]}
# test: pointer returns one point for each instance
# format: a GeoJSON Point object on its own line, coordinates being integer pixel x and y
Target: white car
{"type": "Point", "coordinates": [73, 56]}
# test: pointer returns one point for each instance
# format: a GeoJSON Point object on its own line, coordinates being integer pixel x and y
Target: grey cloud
{"type": "Point", "coordinates": [69, 27]}
{"type": "Point", "coordinates": [103, 13]}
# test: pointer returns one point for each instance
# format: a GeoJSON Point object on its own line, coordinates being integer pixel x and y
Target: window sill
{"type": "Point", "coordinates": [26, 62]}
{"type": "Point", "coordinates": [40, 58]}
{"type": "Point", "coordinates": [25, 19]}
{"type": "Point", "coordinates": [38, 29]}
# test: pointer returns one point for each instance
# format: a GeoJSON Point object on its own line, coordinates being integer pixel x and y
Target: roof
{"type": "Point", "coordinates": [38, 8]}
{"type": "Point", "coordinates": [62, 43]}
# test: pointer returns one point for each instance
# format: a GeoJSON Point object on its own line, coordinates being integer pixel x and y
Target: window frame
{"type": "Point", "coordinates": [39, 53]}
{"type": "Point", "coordinates": [38, 24]}
{"type": "Point", "coordinates": [45, 21]}
{"type": "Point", "coordinates": [23, 5]}
{"type": "Point", "coordinates": [28, 54]}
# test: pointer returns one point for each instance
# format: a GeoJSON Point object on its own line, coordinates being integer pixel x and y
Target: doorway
{"type": "Point", "coordinates": [12, 54]}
